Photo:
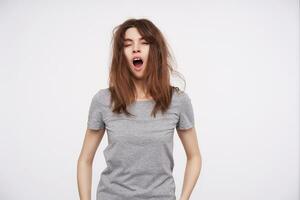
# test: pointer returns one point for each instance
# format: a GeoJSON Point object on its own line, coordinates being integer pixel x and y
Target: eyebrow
{"type": "Point", "coordinates": [128, 39]}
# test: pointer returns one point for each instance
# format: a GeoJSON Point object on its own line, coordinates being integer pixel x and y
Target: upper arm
{"type": "Point", "coordinates": [186, 127]}
{"type": "Point", "coordinates": [188, 138]}
{"type": "Point", "coordinates": [95, 114]}
{"type": "Point", "coordinates": [95, 129]}
{"type": "Point", "coordinates": [186, 113]}
{"type": "Point", "coordinates": [90, 145]}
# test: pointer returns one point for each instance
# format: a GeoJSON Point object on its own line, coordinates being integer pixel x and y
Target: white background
{"type": "Point", "coordinates": [240, 60]}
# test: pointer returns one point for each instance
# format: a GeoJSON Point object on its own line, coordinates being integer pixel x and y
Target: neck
{"type": "Point", "coordinates": [141, 90]}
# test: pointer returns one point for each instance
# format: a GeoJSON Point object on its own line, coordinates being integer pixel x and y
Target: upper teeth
{"type": "Point", "coordinates": [137, 59]}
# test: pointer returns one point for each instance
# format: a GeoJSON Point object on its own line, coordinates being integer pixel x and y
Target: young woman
{"type": "Point", "coordinates": [139, 111]}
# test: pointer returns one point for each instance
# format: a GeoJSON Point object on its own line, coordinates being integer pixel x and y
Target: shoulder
{"type": "Point", "coordinates": [180, 95]}
{"type": "Point", "coordinates": [102, 96]}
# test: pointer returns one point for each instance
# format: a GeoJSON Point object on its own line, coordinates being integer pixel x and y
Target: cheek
{"type": "Point", "coordinates": [126, 53]}
{"type": "Point", "coordinates": [146, 50]}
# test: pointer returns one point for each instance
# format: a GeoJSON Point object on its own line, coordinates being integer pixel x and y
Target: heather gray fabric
{"type": "Point", "coordinates": [139, 154]}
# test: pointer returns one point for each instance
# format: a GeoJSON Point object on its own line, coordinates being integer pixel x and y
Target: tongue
{"type": "Point", "coordinates": [138, 65]}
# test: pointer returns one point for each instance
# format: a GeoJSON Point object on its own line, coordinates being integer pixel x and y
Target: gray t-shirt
{"type": "Point", "coordinates": [139, 154]}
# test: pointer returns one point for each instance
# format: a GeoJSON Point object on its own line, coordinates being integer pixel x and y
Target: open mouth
{"type": "Point", "coordinates": [137, 62]}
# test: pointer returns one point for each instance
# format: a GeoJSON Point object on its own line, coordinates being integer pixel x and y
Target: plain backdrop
{"type": "Point", "coordinates": [240, 60]}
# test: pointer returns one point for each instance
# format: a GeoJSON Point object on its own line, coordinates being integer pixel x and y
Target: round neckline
{"type": "Point", "coordinates": [143, 100]}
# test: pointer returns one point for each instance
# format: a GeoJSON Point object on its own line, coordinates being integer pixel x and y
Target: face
{"type": "Point", "coordinates": [136, 50]}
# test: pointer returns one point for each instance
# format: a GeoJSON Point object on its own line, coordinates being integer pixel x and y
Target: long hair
{"type": "Point", "coordinates": [157, 72]}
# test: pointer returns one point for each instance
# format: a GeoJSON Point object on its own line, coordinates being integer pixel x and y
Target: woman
{"type": "Point", "coordinates": [139, 111]}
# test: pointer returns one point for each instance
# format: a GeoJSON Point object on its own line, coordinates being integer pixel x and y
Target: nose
{"type": "Point", "coordinates": [136, 48]}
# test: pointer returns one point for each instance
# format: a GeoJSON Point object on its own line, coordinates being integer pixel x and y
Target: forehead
{"type": "Point", "coordinates": [132, 34]}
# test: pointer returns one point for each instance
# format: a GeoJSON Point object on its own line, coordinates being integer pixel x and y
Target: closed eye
{"type": "Point", "coordinates": [126, 45]}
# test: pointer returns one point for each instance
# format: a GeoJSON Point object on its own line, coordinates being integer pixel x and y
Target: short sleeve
{"type": "Point", "coordinates": [95, 115]}
{"type": "Point", "coordinates": [186, 113]}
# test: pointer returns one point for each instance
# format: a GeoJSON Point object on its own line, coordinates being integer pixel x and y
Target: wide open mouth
{"type": "Point", "coordinates": [137, 62]}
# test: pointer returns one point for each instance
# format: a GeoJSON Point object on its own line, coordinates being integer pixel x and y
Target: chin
{"type": "Point", "coordinates": [138, 74]}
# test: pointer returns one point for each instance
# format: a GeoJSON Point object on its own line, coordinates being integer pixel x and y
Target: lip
{"type": "Point", "coordinates": [137, 57]}
{"type": "Point", "coordinates": [137, 68]}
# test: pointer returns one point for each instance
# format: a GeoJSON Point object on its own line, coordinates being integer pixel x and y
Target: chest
{"type": "Point", "coordinates": [141, 127]}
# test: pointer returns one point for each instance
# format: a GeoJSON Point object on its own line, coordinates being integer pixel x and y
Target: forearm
{"type": "Point", "coordinates": [191, 174]}
{"type": "Point", "coordinates": [84, 179]}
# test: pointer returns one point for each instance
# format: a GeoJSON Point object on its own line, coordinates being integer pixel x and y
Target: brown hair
{"type": "Point", "coordinates": [157, 72]}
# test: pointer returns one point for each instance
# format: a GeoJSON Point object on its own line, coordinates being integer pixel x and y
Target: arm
{"type": "Point", "coordinates": [189, 140]}
{"type": "Point", "coordinates": [85, 161]}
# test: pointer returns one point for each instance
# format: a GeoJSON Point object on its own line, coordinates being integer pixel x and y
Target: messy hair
{"type": "Point", "coordinates": [157, 73]}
